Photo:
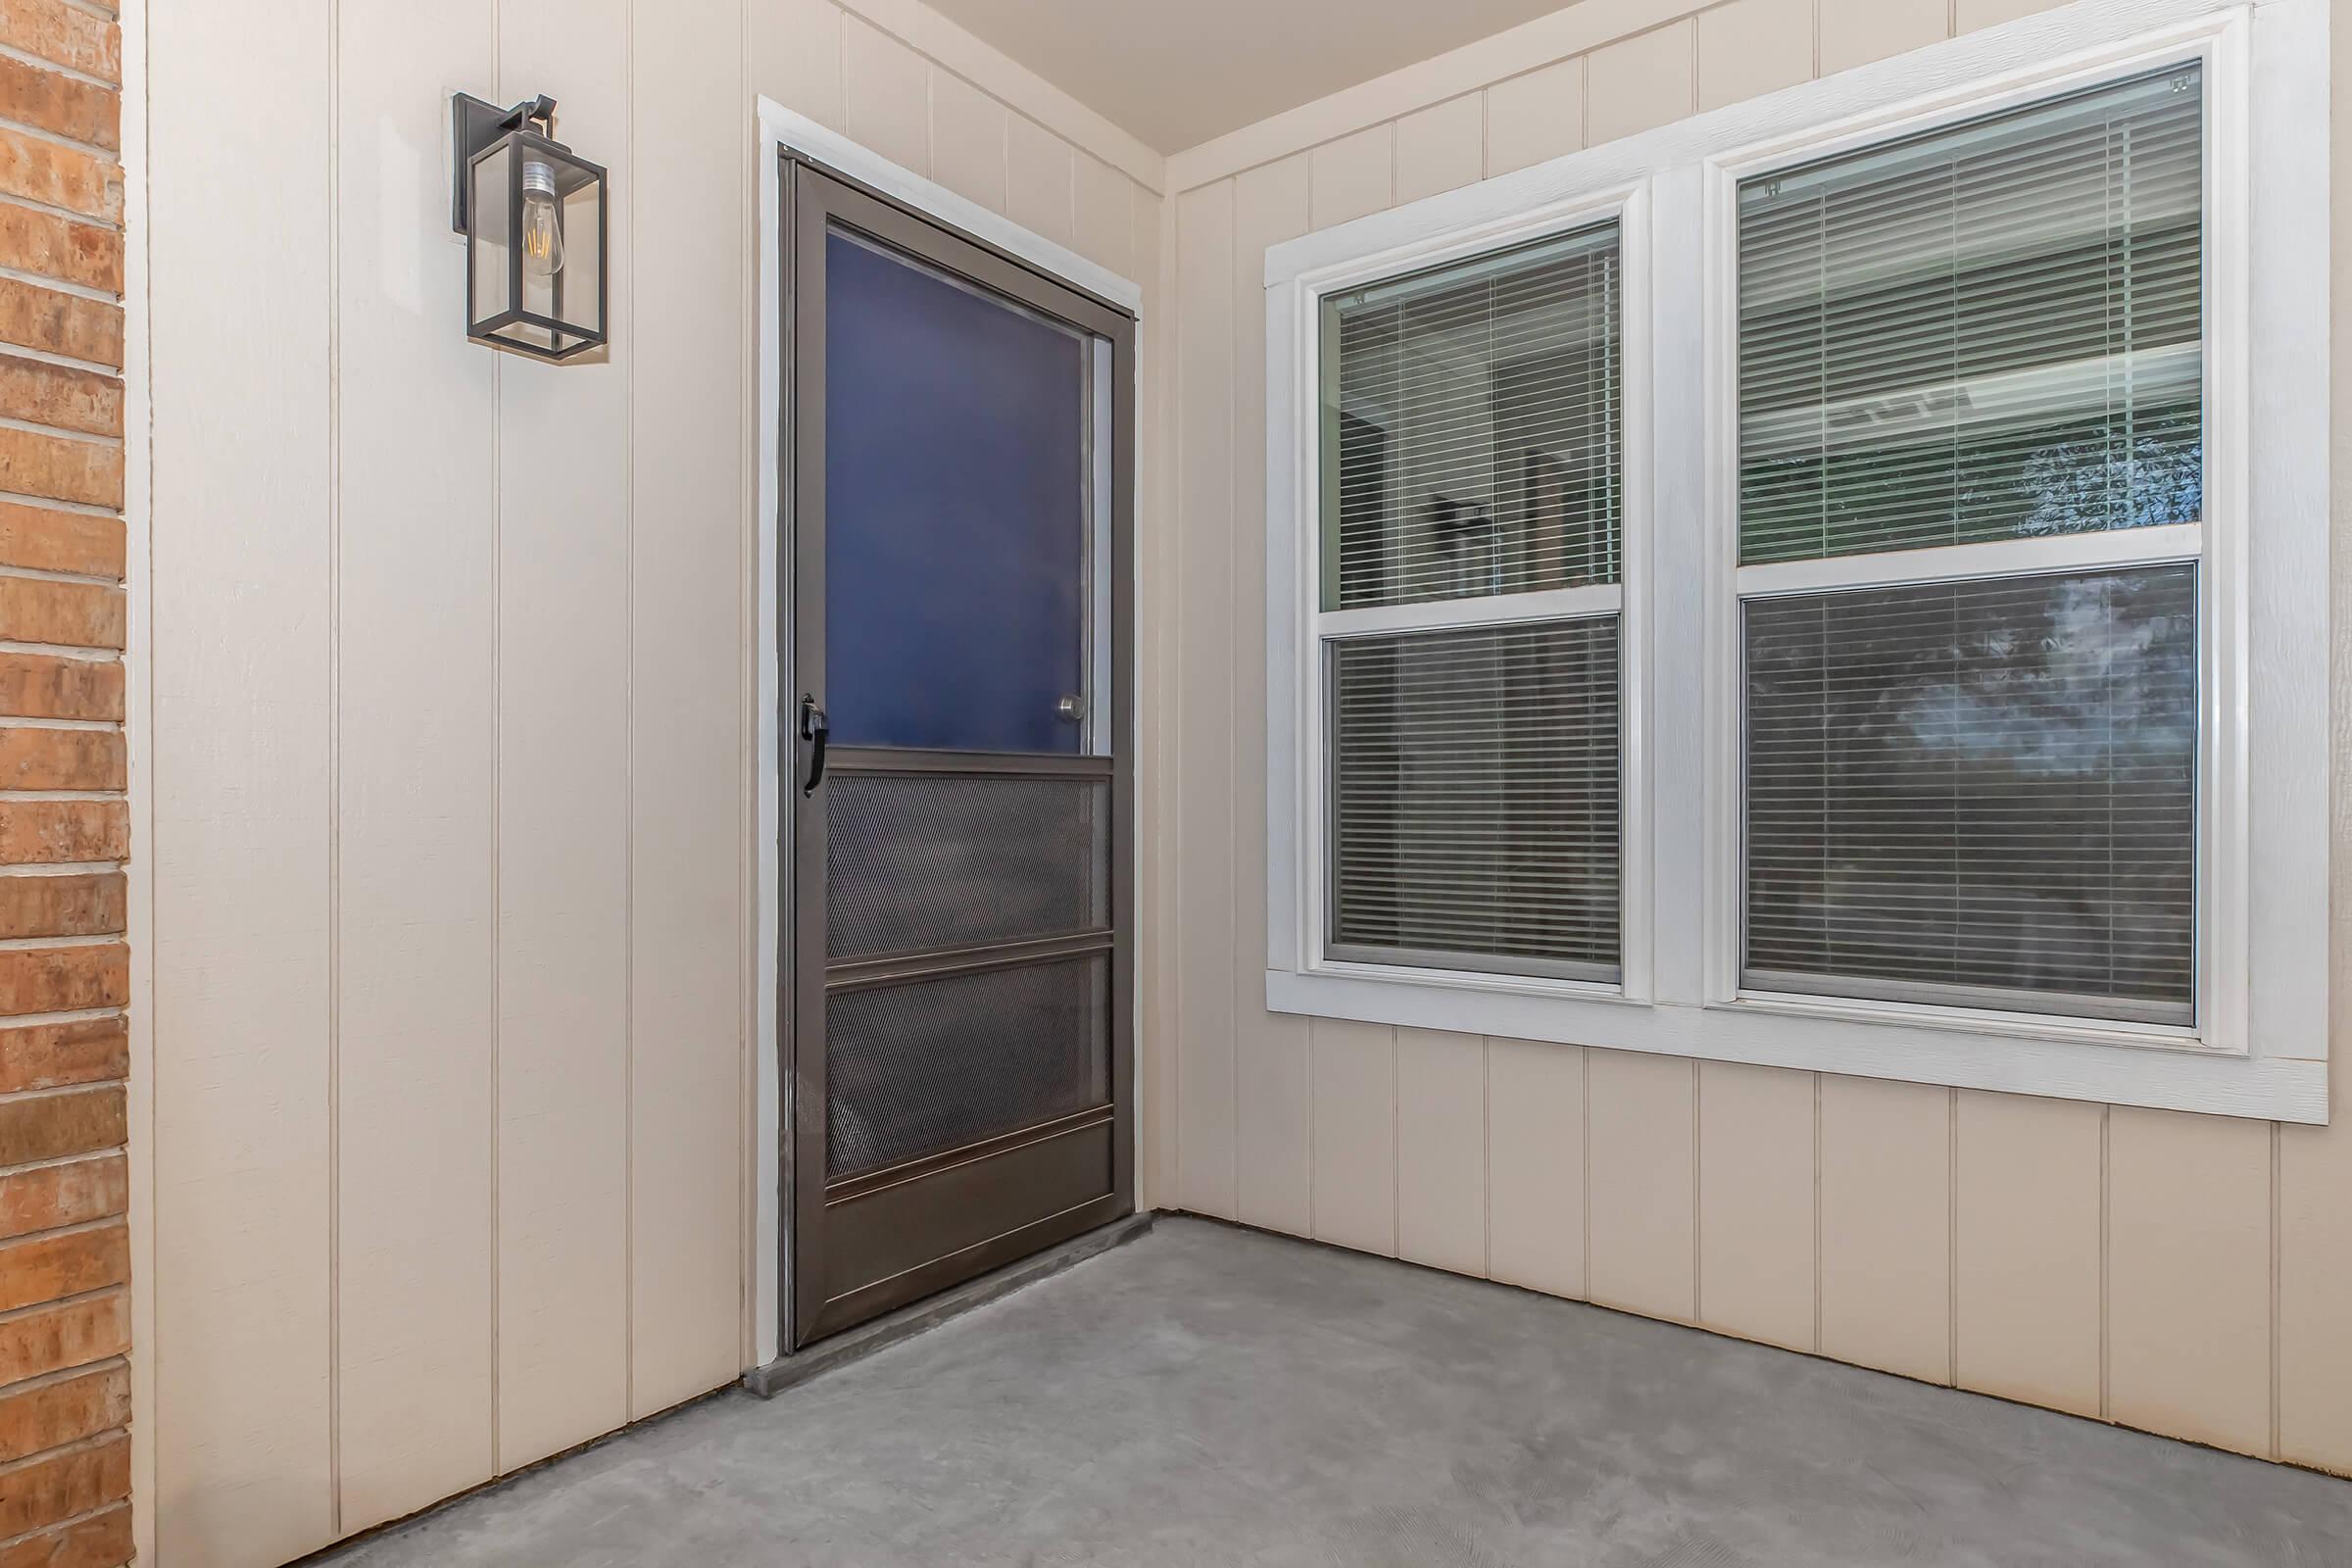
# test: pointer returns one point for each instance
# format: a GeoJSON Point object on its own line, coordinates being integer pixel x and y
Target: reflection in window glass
{"type": "Point", "coordinates": [1992, 331]}
{"type": "Point", "coordinates": [1981, 792]}
{"type": "Point", "coordinates": [1471, 428]}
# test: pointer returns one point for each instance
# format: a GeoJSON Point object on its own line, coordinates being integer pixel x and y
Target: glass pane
{"type": "Point", "coordinates": [956, 512]}
{"type": "Point", "coordinates": [1475, 797]}
{"type": "Point", "coordinates": [921, 862]}
{"type": "Point", "coordinates": [1470, 420]}
{"type": "Point", "coordinates": [1993, 332]}
{"type": "Point", "coordinates": [930, 1066]}
{"type": "Point", "coordinates": [1986, 789]}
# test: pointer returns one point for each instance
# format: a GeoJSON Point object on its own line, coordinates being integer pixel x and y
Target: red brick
{"type": "Point", "coordinates": [48, 1197]}
{"type": "Point", "coordinates": [68, 249]}
{"type": "Point", "coordinates": [87, 904]}
{"type": "Point", "coordinates": [54, 1266]}
{"type": "Point", "coordinates": [52, 1055]}
{"type": "Point", "coordinates": [64, 35]}
{"type": "Point", "coordinates": [36, 1494]}
{"type": "Point", "coordinates": [61, 105]}
{"type": "Point", "coordinates": [62, 1123]}
{"type": "Point", "coordinates": [59, 686]}
{"type": "Point", "coordinates": [55, 174]}
{"type": "Point", "coordinates": [59, 469]}
{"type": "Point", "coordinates": [46, 539]}
{"type": "Point", "coordinates": [57, 323]}
{"type": "Point", "coordinates": [77, 614]}
{"type": "Point", "coordinates": [50, 1415]}
{"type": "Point", "coordinates": [64, 979]}
{"type": "Point", "coordinates": [38, 757]}
{"type": "Point", "coordinates": [62, 832]}
{"type": "Point", "coordinates": [97, 1541]}
{"type": "Point", "coordinates": [67, 1333]}
{"type": "Point", "coordinates": [41, 393]}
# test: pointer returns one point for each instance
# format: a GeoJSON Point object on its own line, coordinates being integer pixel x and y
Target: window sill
{"type": "Point", "coordinates": [2165, 1072]}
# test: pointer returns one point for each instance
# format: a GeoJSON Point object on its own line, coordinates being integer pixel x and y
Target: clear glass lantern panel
{"type": "Point", "coordinates": [487, 212]}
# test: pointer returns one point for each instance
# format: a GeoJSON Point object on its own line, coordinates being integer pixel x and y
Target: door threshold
{"type": "Point", "coordinates": [857, 1344]}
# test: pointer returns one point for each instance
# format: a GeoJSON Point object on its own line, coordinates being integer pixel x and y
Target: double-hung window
{"type": "Point", "coordinates": [1467, 618]}
{"type": "Point", "coordinates": [1971, 507]}
{"type": "Point", "coordinates": [1838, 582]}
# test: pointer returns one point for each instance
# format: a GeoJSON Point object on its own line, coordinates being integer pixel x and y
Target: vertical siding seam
{"type": "Point", "coordinates": [1817, 1185]}
{"type": "Point", "coordinates": [1485, 1160]}
{"type": "Point", "coordinates": [2277, 1283]}
{"type": "Point", "coordinates": [2106, 1247]}
{"type": "Point", "coordinates": [1396, 1147]}
{"type": "Point", "coordinates": [628, 745]}
{"type": "Point", "coordinates": [747, 556]}
{"type": "Point", "coordinates": [1816, 40]}
{"type": "Point", "coordinates": [1951, 1235]}
{"type": "Point", "coordinates": [1698, 1145]}
{"type": "Point", "coordinates": [497, 694]}
{"type": "Point", "coordinates": [334, 770]}
{"type": "Point", "coordinates": [1233, 588]}
{"type": "Point", "coordinates": [1583, 1112]}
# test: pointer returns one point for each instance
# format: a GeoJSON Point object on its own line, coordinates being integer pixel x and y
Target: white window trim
{"type": "Point", "coordinates": [2259, 1044]}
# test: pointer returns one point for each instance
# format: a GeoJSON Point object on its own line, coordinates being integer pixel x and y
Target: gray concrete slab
{"type": "Point", "coordinates": [1208, 1396]}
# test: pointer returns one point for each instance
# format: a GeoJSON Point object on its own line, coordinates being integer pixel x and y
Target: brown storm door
{"type": "Point", "coordinates": [959, 967]}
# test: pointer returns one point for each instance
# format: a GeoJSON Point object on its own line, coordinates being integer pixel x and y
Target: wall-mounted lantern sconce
{"type": "Point", "coordinates": [533, 218]}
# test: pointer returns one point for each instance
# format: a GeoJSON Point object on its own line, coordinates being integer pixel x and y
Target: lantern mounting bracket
{"type": "Point", "coordinates": [475, 125]}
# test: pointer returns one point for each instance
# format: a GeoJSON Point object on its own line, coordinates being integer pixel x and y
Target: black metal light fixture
{"type": "Point", "coordinates": [533, 218]}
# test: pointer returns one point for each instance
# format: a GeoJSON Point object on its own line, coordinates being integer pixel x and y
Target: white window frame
{"type": "Point", "coordinates": [2258, 1045]}
{"type": "Point", "coordinates": [1316, 627]}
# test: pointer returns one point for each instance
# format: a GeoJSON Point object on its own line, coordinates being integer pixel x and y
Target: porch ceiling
{"type": "Point", "coordinates": [1176, 75]}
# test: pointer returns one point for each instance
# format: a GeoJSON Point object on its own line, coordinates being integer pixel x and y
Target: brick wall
{"type": "Point", "coordinates": [65, 973]}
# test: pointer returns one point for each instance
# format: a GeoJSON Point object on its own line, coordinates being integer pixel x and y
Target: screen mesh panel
{"type": "Point", "coordinates": [1991, 331]}
{"type": "Point", "coordinates": [1475, 796]}
{"type": "Point", "coordinates": [931, 1065]}
{"type": "Point", "coordinates": [921, 862]}
{"type": "Point", "coordinates": [1988, 786]}
{"type": "Point", "coordinates": [1471, 428]}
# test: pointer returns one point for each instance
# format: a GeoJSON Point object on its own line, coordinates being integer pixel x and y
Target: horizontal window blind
{"type": "Point", "coordinates": [1474, 805]}
{"type": "Point", "coordinates": [1992, 331]}
{"type": "Point", "coordinates": [1471, 428]}
{"type": "Point", "coordinates": [1977, 792]}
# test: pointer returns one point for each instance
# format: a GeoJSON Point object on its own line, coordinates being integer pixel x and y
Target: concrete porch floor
{"type": "Point", "coordinates": [1208, 1396]}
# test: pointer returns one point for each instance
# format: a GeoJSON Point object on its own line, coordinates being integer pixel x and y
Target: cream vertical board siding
{"type": "Point", "coordinates": [415, 734]}
{"type": "Point", "coordinates": [1270, 204]}
{"type": "Point", "coordinates": [1203, 699]}
{"type": "Point", "coordinates": [1751, 47]}
{"type": "Point", "coordinates": [884, 94]}
{"type": "Point", "coordinates": [1354, 175]}
{"type": "Point", "coordinates": [1040, 181]}
{"type": "Point", "coordinates": [2029, 1268]}
{"type": "Point", "coordinates": [1441, 147]}
{"type": "Point", "coordinates": [1441, 1149]}
{"type": "Point", "coordinates": [1641, 1183]}
{"type": "Point", "coordinates": [968, 130]}
{"type": "Point", "coordinates": [1885, 1225]}
{"type": "Point", "coordinates": [1946, 1236]}
{"type": "Point", "coordinates": [1855, 32]}
{"type": "Point", "coordinates": [1536, 1166]}
{"type": "Point", "coordinates": [564, 516]}
{"type": "Point", "coordinates": [1648, 79]}
{"type": "Point", "coordinates": [689, 760]}
{"type": "Point", "coordinates": [450, 742]}
{"type": "Point", "coordinates": [244, 1049]}
{"type": "Point", "coordinates": [1535, 116]}
{"type": "Point", "coordinates": [1352, 1134]}
{"type": "Point", "coordinates": [2188, 1276]}
{"type": "Point", "coordinates": [1756, 1177]}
